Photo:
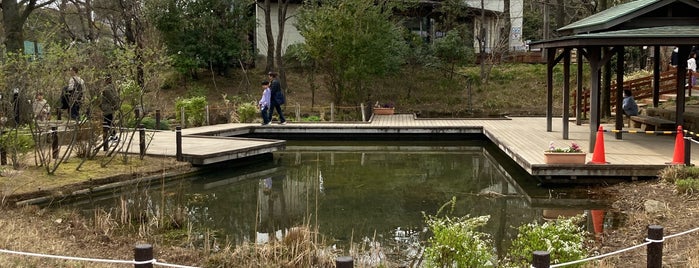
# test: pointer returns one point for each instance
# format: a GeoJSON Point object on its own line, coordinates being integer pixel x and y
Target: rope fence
{"type": "Point", "coordinates": [654, 243]}
{"type": "Point", "coordinates": [138, 262]}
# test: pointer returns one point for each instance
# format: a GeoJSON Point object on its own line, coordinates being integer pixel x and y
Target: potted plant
{"type": "Point", "coordinates": [572, 154]}
{"type": "Point", "coordinates": [384, 109]}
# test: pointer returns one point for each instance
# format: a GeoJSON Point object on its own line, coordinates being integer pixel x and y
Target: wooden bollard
{"type": "Point", "coordinates": [541, 259]}
{"type": "Point", "coordinates": [137, 113]}
{"type": "Point", "coordinates": [105, 137]}
{"type": "Point", "coordinates": [58, 114]}
{"type": "Point", "coordinates": [54, 142]}
{"type": "Point", "coordinates": [143, 253]}
{"type": "Point", "coordinates": [654, 251]}
{"type": "Point", "coordinates": [344, 262]}
{"type": "Point", "coordinates": [157, 119]}
{"type": "Point", "coordinates": [178, 142]}
{"type": "Point", "coordinates": [3, 153]}
{"type": "Point", "coordinates": [141, 140]}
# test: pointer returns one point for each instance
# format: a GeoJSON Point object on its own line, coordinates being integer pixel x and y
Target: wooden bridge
{"type": "Point", "coordinates": [523, 139]}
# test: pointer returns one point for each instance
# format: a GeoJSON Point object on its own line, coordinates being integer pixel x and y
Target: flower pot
{"type": "Point", "coordinates": [564, 158]}
{"type": "Point", "coordinates": [383, 111]}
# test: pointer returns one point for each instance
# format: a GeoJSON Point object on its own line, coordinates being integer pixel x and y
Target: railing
{"type": "Point", "coordinates": [654, 255]}
{"type": "Point", "coordinates": [642, 88]}
{"type": "Point", "coordinates": [143, 257]}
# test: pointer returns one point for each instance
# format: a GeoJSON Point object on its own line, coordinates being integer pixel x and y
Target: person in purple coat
{"type": "Point", "coordinates": [264, 104]}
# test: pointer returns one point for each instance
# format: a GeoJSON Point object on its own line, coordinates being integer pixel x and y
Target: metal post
{"type": "Point", "coordinates": [541, 259]}
{"type": "Point", "coordinates": [361, 105]}
{"type": "Point", "coordinates": [54, 142]}
{"type": "Point", "coordinates": [178, 142]}
{"type": "Point", "coordinates": [298, 112]}
{"type": "Point", "coordinates": [182, 117]}
{"type": "Point", "coordinates": [58, 114]}
{"type": "Point", "coordinates": [137, 113]}
{"type": "Point", "coordinates": [687, 148]}
{"type": "Point", "coordinates": [207, 115]}
{"type": "Point", "coordinates": [157, 119]}
{"type": "Point", "coordinates": [344, 262]}
{"type": "Point", "coordinates": [654, 251]}
{"type": "Point", "coordinates": [143, 253]}
{"type": "Point", "coordinates": [332, 112]}
{"type": "Point", "coordinates": [141, 140]}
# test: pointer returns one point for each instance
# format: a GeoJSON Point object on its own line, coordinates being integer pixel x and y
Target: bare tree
{"type": "Point", "coordinates": [14, 15]}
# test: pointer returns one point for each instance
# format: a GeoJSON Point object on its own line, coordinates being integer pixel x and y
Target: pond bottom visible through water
{"type": "Point", "coordinates": [376, 193]}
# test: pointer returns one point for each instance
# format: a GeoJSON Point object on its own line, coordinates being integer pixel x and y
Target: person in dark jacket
{"type": "Point", "coordinates": [277, 98]}
{"type": "Point", "coordinates": [109, 105]}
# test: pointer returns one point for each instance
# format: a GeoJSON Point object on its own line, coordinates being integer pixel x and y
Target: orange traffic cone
{"type": "Point", "coordinates": [678, 156]}
{"type": "Point", "coordinates": [598, 154]}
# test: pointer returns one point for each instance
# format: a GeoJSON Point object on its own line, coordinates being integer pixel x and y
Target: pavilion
{"type": "Point", "coordinates": [652, 23]}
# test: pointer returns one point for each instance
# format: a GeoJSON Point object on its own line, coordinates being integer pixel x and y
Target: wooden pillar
{"type": "Point", "coordinates": [654, 251]}
{"type": "Point", "coordinates": [541, 259]}
{"type": "Point", "coordinates": [566, 92]}
{"type": "Point", "coordinates": [656, 76]}
{"type": "Point", "coordinates": [143, 253]}
{"type": "Point", "coordinates": [595, 64]}
{"type": "Point", "coordinates": [619, 90]}
{"type": "Point", "coordinates": [682, 56]}
{"type": "Point", "coordinates": [550, 57]}
{"type": "Point", "coordinates": [579, 93]}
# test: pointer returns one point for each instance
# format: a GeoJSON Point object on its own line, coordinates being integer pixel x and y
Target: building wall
{"type": "Point", "coordinates": [493, 24]}
{"type": "Point", "coordinates": [291, 34]}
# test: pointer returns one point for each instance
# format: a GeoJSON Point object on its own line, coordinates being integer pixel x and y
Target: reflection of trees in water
{"type": "Point", "coordinates": [367, 192]}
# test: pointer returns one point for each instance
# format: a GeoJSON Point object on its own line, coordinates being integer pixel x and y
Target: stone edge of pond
{"type": "Point", "coordinates": [94, 186]}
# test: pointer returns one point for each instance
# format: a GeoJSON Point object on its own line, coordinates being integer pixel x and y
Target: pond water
{"type": "Point", "coordinates": [364, 191]}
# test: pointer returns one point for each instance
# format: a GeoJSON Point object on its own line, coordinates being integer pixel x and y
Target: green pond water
{"type": "Point", "coordinates": [364, 192]}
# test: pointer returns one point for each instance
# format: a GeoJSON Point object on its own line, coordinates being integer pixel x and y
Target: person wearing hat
{"type": "Point", "coordinates": [277, 98]}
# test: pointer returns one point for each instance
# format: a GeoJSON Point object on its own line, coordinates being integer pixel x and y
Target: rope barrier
{"type": "Point", "coordinates": [649, 241]}
{"type": "Point", "coordinates": [153, 261]}
{"type": "Point", "coordinates": [640, 131]}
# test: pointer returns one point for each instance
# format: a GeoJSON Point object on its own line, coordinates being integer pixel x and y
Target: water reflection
{"type": "Point", "coordinates": [366, 193]}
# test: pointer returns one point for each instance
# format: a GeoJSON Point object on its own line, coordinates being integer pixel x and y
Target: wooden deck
{"type": "Point", "coordinates": [521, 138]}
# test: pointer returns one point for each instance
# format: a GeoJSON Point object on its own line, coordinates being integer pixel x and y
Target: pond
{"type": "Point", "coordinates": [363, 191]}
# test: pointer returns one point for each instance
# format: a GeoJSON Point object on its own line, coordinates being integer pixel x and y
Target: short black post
{"type": "Point", "coordinates": [178, 141]}
{"type": "Point", "coordinates": [54, 142]}
{"type": "Point", "coordinates": [3, 153]}
{"type": "Point", "coordinates": [157, 119]}
{"type": "Point", "coordinates": [141, 140]}
{"type": "Point", "coordinates": [105, 137]}
{"type": "Point", "coordinates": [142, 253]}
{"type": "Point", "coordinates": [654, 252]}
{"type": "Point", "coordinates": [541, 259]}
{"type": "Point", "coordinates": [137, 113]}
{"type": "Point", "coordinates": [344, 262]}
{"type": "Point", "coordinates": [58, 114]}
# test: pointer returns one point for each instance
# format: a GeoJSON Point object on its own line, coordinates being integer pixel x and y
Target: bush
{"type": "Point", "coordinates": [149, 123]}
{"type": "Point", "coordinates": [677, 172]}
{"type": "Point", "coordinates": [247, 112]}
{"type": "Point", "coordinates": [194, 109]}
{"type": "Point", "coordinates": [456, 243]}
{"type": "Point", "coordinates": [311, 118]}
{"type": "Point", "coordinates": [16, 144]}
{"type": "Point", "coordinates": [688, 186]}
{"type": "Point", "coordinates": [563, 239]}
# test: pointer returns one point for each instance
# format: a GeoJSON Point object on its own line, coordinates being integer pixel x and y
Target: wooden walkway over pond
{"type": "Point", "coordinates": [521, 138]}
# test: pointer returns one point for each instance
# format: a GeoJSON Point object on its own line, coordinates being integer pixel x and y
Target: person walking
{"type": "Point", "coordinates": [109, 105]}
{"type": "Point", "coordinates": [691, 70]}
{"type": "Point", "coordinates": [264, 103]}
{"type": "Point", "coordinates": [42, 110]}
{"type": "Point", "coordinates": [276, 98]}
{"type": "Point", "coordinates": [74, 93]}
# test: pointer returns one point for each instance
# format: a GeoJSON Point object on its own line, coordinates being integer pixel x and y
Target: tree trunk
{"type": "Point", "coordinates": [13, 22]}
{"type": "Point", "coordinates": [281, 20]}
{"type": "Point", "coordinates": [560, 13]}
{"type": "Point", "coordinates": [270, 37]}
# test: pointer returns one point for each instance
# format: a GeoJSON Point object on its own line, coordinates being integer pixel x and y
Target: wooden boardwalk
{"type": "Point", "coordinates": [522, 138]}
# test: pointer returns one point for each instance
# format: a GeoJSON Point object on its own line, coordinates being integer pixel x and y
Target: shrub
{"type": "Point", "coordinates": [456, 243]}
{"type": "Point", "coordinates": [688, 186]}
{"type": "Point", "coordinates": [16, 144]}
{"type": "Point", "coordinates": [246, 112]}
{"type": "Point", "coordinates": [312, 118]}
{"type": "Point", "coordinates": [194, 110]}
{"type": "Point", "coordinates": [562, 238]}
{"type": "Point", "coordinates": [677, 172]}
{"type": "Point", "coordinates": [149, 123]}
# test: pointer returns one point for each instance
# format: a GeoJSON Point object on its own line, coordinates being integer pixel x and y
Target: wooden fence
{"type": "Point", "coordinates": [642, 88]}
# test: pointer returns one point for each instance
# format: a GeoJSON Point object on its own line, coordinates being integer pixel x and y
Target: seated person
{"type": "Point", "coordinates": [629, 105]}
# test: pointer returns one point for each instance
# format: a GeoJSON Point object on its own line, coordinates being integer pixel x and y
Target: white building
{"type": "Point", "coordinates": [493, 22]}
